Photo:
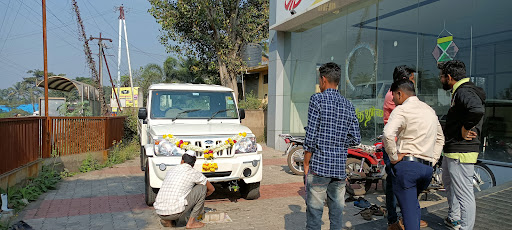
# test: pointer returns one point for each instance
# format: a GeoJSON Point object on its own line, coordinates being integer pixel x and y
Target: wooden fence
{"type": "Point", "coordinates": [22, 140]}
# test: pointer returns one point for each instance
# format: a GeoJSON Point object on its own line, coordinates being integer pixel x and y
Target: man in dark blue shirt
{"type": "Point", "coordinates": [332, 128]}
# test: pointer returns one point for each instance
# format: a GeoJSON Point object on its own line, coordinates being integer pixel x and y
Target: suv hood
{"type": "Point", "coordinates": [198, 129]}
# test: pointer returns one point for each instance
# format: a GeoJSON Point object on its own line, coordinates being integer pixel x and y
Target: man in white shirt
{"type": "Point", "coordinates": [183, 191]}
{"type": "Point", "coordinates": [418, 146]}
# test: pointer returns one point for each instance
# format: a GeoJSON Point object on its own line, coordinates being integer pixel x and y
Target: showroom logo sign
{"type": "Point", "coordinates": [291, 4]}
{"type": "Point", "coordinates": [445, 49]}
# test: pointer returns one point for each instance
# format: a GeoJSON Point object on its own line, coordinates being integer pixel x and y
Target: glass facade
{"type": "Point", "coordinates": [369, 38]}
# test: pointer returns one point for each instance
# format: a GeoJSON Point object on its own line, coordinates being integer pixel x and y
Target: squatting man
{"type": "Point", "coordinates": [182, 194]}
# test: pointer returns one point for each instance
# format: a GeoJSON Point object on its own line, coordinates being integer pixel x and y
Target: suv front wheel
{"type": "Point", "coordinates": [250, 191]}
{"type": "Point", "coordinates": [150, 194]}
{"type": "Point", "coordinates": [142, 158]}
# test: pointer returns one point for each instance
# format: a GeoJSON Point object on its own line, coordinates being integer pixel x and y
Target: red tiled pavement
{"type": "Point", "coordinates": [86, 206]}
{"type": "Point", "coordinates": [109, 204]}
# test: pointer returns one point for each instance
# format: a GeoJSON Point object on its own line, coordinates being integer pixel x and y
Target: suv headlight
{"type": "Point", "coordinates": [246, 145]}
{"type": "Point", "coordinates": [166, 148]}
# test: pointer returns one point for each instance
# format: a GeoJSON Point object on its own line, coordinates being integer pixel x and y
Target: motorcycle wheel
{"type": "Point", "coordinates": [483, 178]}
{"type": "Point", "coordinates": [355, 184]}
{"type": "Point", "coordinates": [297, 167]}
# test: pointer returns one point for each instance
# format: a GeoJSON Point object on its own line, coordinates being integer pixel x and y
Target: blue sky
{"type": "Point", "coordinates": [21, 45]}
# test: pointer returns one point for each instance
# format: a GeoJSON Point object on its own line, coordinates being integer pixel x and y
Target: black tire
{"type": "Point", "coordinates": [296, 167]}
{"type": "Point", "coordinates": [250, 191]}
{"type": "Point", "coordinates": [142, 158]}
{"type": "Point", "coordinates": [357, 185]}
{"type": "Point", "coordinates": [150, 194]}
{"type": "Point", "coordinates": [483, 177]}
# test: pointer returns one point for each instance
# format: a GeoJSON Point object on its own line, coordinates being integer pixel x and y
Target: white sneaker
{"type": "Point", "coordinates": [452, 224]}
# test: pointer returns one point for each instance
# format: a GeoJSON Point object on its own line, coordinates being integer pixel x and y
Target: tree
{"type": "Point", "coordinates": [170, 70]}
{"type": "Point", "coordinates": [212, 30]}
{"type": "Point", "coordinates": [191, 70]}
{"type": "Point", "coordinates": [148, 75]}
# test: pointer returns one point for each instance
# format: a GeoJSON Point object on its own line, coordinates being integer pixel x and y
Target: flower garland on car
{"type": "Point", "coordinates": [209, 166]}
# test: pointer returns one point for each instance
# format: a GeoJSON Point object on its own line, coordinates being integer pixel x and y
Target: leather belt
{"type": "Point", "coordinates": [411, 158]}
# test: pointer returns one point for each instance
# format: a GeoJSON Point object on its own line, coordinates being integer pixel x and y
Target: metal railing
{"type": "Point", "coordinates": [22, 140]}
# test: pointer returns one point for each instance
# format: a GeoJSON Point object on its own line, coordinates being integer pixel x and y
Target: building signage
{"type": "Point", "coordinates": [291, 4]}
{"type": "Point", "coordinates": [288, 8]}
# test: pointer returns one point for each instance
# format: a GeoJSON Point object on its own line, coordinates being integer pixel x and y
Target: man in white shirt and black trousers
{"type": "Point", "coordinates": [419, 142]}
{"type": "Point", "coordinates": [183, 192]}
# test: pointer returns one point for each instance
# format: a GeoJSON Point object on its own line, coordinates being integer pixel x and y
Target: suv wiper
{"type": "Point", "coordinates": [220, 111]}
{"type": "Point", "coordinates": [186, 111]}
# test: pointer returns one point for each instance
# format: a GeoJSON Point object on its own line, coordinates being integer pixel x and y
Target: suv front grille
{"type": "Point", "coordinates": [216, 174]}
{"type": "Point", "coordinates": [224, 153]}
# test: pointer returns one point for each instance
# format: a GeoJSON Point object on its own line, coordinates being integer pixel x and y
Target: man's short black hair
{"type": "Point", "coordinates": [191, 160]}
{"type": "Point", "coordinates": [402, 72]}
{"type": "Point", "coordinates": [405, 85]}
{"type": "Point", "coordinates": [455, 68]}
{"type": "Point", "coordinates": [331, 71]}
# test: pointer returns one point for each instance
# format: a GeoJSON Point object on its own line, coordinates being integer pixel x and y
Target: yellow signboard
{"type": "Point", "coordinates": [125, 96]}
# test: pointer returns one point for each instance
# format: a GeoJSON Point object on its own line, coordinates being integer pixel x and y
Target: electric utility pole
{"type": "Point", "coordinates": [123, 21]}
{"type": "Point", "coordinates": [46, 129]}
{"type": "Point", "coordinates": [100, 55]}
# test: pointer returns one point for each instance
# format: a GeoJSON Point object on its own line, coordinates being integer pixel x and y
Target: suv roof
{"type": "Point", "coordinates": [188, 86]}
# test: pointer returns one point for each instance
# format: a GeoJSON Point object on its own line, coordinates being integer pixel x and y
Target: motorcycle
{"type": "Point", "coordinates": [365, 166]}
{"type": "Point", "coordinates": [360, 175]}
{"type": "Point", "coordinates": [294, 153]}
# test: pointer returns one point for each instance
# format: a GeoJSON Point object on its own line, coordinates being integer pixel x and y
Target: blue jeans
{"type": "Point", "coordinates": [319, 188]}
{"type": "Point", "coordinates": [390, 196]}
{"type": "Point", "coordinates": [411, 178]}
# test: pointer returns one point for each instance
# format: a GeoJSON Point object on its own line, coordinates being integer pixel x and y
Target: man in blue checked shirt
{"type": "Point", "coordinates": [332, 128]}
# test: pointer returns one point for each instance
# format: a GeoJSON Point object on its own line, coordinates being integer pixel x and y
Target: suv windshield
{"type": "Point", "coordinates": [192, 104]}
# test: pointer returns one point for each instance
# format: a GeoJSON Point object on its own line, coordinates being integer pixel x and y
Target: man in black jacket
{"type": "Point", "coordinates": [462, 143]}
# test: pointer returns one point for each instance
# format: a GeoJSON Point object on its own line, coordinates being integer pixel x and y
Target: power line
{"type": "Point", "coordinates": [15, 17]}
{"type": "Point", "coordinates": [50, 11]}
{"type": "Point", "coordinates": [13, 64]}
{"type": "Point", "coordinates": [3, 20]}
{"type": "Point", "coordinates": [28, 7]}
{"type": "Point", "coordinates": [22, 35]}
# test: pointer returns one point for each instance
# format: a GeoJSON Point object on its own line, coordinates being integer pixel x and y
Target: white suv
{"type": "Point", "coordinates": [206, 119]}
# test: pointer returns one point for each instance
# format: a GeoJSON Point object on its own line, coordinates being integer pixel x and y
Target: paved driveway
{"type": "Point", "coordinates": [113, 198]}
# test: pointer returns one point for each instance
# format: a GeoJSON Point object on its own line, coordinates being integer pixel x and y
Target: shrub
{"type": "Point", "coordinates": [130, 123]}
{"type": "Point", "coordinates": [89, 164]}
{"type": "Point", "coordinates": [251, 102]}
{"type": "Point", "coordinates": [122, 152]}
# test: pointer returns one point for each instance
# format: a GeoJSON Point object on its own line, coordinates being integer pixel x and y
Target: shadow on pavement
{"type": "Point", "coordinates": [296, 219]}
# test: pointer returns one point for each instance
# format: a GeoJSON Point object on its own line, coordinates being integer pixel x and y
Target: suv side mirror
{"type": "Point", "coordinates": [241, 113]}
{"type": "Point", "coordinates": [143, 113]}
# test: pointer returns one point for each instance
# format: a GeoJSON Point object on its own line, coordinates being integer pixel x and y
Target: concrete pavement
{"type": "Point", "coordinates": [113, 198]}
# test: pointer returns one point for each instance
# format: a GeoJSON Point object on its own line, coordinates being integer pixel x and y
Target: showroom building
{"type": "Point", "coordinates": [368, 38]}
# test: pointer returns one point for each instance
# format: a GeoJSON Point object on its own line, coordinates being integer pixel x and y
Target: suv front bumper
{"type": "Point", "coordinates": [230, 169]}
